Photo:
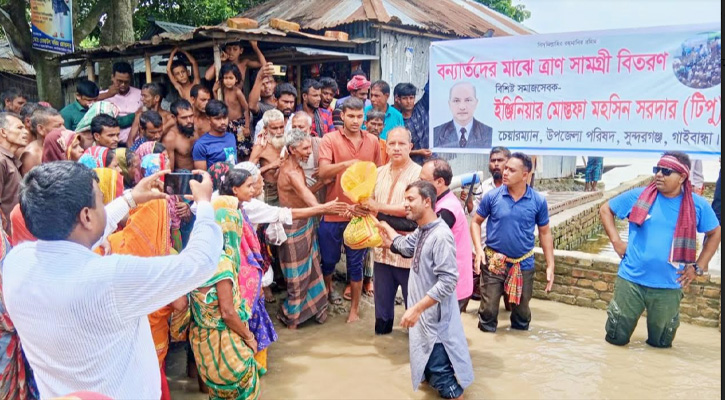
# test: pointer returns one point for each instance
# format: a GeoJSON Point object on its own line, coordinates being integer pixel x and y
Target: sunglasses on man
{"type": "Point", "coordinates": [665, 171]}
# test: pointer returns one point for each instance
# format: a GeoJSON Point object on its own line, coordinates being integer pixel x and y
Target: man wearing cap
{"type": "Point", "coordinates": [659, 259]}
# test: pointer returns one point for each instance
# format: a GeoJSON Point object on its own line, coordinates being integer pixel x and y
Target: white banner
{"type": "Point", "coordinates": [608, 93]}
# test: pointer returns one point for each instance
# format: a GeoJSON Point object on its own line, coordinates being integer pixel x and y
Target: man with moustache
{"type": "Point", "coordinates": [302, 121]}
{"type": "Point", "coordinates": [179, 140]}
{"type": "Point", "coordinates": [151, 128]}
{"type": "Point", "coordinates": [328, 91]}
{"type": "Point", "coordinates": [267, 153]}
{"type": "Point", "coordinates": [463, 131]}
{"type": "Point", "coordinates": [299, 254]}
{"type": "Point", "coordinates": [42, 121]}
{"type": "Point", "coordinates": [379, 94]}
{"type": "Point", "coordinates": [200, 97]}
{"type": "Point", "coordinates": [105, 131]}
{"type": "Point", "coordinates": [496, 162]}
{"type": "Point", "coordinates": [321, 117]}
{"type": "Point", "coordinates": [124, 96]}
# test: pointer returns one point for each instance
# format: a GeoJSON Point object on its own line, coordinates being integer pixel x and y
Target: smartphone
{"type": "Point", "coordinates": [279, 70]}
{"type": "Point", "coordinates": [177, 183]}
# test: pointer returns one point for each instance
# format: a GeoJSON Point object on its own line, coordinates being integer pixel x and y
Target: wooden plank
{"type": "Point", "coordinates": [147, 62]}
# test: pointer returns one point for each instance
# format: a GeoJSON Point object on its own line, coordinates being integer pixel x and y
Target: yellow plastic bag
{"type": "Point", "coordinates": [358, 184]}
{"type": "Point", "coordinates": [362, 233]}
{"type": "Point", "coordinates": [358, 181]}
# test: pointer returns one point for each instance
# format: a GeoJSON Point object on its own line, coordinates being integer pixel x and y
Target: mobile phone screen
{"type": "Point", "coordinates": [177, 183]}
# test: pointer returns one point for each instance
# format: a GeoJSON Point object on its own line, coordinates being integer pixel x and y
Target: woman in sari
{"type": "Point", "coordinates": [146, 234]}
{"type": "Point", "coordinates": [110, 182]}
{"type": "Point", "coordinates": [151, 164]}
{"type": "Point", "coordinates": [16, 380]}
{"type": "Point", "coordinates": [99, 157]}
{"type": "Point", "coordinates": [129, 164]}
{"type": "Point", "coordinates": [60, 145]}
{"type": "Point", "coordinates": [239, 183]}
{"type": "Point", "coordinates": [220, 315]}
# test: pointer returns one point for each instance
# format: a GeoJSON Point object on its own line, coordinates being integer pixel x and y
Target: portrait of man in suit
{"type": "Point", "coordinates": [463, 131]}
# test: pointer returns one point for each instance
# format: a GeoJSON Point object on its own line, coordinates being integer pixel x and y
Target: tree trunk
{"type": "Point", "coordinates": [117, 29]}
{"type": "Point", "coordinates": [47, 74]}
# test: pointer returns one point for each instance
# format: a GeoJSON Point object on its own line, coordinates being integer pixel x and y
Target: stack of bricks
{"type": "Point", "coordinates": [587, 280]}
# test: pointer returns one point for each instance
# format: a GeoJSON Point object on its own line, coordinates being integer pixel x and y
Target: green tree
{"type": "Point", "coordinates": [87, 15]}
{"type": "Point", "coordinates": [516, 12]}
{"type": "Point", "coordinates": [188, 12]}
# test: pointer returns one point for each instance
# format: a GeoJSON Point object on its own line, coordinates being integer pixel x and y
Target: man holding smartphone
{"type": "Point", "coordinates": [116, 292]}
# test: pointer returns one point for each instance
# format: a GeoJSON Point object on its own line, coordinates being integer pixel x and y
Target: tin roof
{"type": "Point", "coordinates": [462, 18]}
{"type": "Point", "coordinates": [12, 64]}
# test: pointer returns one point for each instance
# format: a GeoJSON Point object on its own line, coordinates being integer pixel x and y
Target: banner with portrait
{"type": "Point", "coordinates": [52, 25]}
{"type": "Point", "coordinates": [621, 92]}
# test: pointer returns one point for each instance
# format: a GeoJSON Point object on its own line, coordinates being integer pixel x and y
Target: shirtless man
{"type": "Point", "coordinates": [266, 152]}
{"type": "Point", "coordinates": [180, 139]}
{"type": "Point", "coordinates": [42, 121]}
{"type": "Point", "coordinates": [200, 95]}
{"type": "Point", "coordinates": [233, 52]}
{"type": "Point", "coordinates": [178, 73]}
{"type": "Point", "coordinates": [151, 100]}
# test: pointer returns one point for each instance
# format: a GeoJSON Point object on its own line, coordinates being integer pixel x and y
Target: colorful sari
{"type": "Point", "coordinates": [95, 157]}
{"type": "Point", "coordinates": [226, 364]}
{"type": "Point", "coordinates": [251, 271]}
{"type": "Point", "coordinates": [16, 377]}
{"type": "Point", "coordinates": [145, 149]}
{"type": "Point", "coordinates": [217, 171]}
{"type": "Point", "coordinates": [58, 145]}
{"type": "Point", "coordinates": [20, 230]}
{"type": "Point", "coordinates": [151, 164]}
{"type": "Point", "coordinates": [147, 235]}
{"type": "Point", "coordinates": [97, 108]}
{"type": "Point", "coordinates": [111, 184]}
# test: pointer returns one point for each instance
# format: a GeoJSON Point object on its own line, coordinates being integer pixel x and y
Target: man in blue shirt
{"type": "Point", "coordinates": [647, 278]}
{"type": "Point", "coordinates": [512, 212]}
{"type": "Point", "coordinates": [415, 117]}
{"type": "Point", "coordinates": [379, 94]}
{"type": "Point", "coordinates": [217, 145]}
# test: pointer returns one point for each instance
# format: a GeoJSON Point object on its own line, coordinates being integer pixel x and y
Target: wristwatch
{"type": "Point", "coordinates": [129, 199]}
{"type": "Point", "coordinates": [698, 271]}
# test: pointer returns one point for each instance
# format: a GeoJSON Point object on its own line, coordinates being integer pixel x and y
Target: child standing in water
{"type": "Point", "coordinates": [232, 96]}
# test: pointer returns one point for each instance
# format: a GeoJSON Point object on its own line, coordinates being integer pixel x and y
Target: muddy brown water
{"type": "Point", "coordinates": [564, 355]}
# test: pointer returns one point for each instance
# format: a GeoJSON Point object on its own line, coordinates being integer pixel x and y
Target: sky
{"type": "Point", "coordinates": [551, 16]}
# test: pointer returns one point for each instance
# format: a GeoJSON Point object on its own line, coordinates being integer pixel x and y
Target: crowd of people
{"type": "Point", "coordinates": [698, 64]}
{"type": "Point", "coordinates": [106, 270]}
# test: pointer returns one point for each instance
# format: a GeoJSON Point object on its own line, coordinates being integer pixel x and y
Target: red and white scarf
{"type": "Point", "coordinates": [684, 243]}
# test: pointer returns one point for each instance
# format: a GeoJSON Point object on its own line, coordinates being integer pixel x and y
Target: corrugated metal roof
{"type": "Point", "coordinates": [463, 18]}
{"type": "Point", "coordinates": [12, 64]}
{"type": "Point", "coordinates": [171, 27]}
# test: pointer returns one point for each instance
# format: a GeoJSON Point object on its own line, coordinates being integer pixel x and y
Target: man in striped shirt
{"type": "Point", "coordinates": [83, 318]}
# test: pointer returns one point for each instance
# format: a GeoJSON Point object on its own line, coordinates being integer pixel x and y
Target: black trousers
{"type": "Point", "coordinates": [491, 292]}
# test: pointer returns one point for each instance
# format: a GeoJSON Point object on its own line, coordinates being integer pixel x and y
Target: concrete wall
{"type": "Point", "coordinates": [588, 281]}
{"type": "Point", "coordinates": [572, 226]}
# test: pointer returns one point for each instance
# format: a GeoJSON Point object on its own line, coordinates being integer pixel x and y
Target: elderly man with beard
{"type": "Point", "coordinates": [299, 255]}
{"type": "Point", "coordinates": [438, 348]}
{"type": "Point", "coordinates": [42, 121]}
{"type": "Point", "coordinates": [267, 153]}
{"type": "Point", "coordinates": [286, 95]}
{"type": "Point", "coordinates": [302, 121]}
{"type": "Point", "coordinates": [179, 140]}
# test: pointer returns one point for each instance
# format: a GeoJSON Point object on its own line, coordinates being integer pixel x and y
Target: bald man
{"type": "Point", "coordinates": [463, 131]}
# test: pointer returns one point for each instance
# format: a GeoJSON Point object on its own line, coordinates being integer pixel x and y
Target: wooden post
{"type": "Point", "coordinates": [299, 83]}
{"type": "Point", "coordinates": [217, 67]}
{"type": "Point", "coordinates": [91, 70]}
{"type": "Point", "coordinates": [147, 60]}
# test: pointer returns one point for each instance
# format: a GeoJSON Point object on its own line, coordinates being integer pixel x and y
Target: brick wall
{"type": "Point", "coordinates": [587, 280]}
{"type": "Point", "coordinates": [571, 227]}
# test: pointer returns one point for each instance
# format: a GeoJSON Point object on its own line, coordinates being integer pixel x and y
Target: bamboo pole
{"type": "Point", "coordinates": [218, 66]}
{"type": "Point", "coordinates": [91, 70]}
{"type": "Point", "coordinates": [299, 83]}
{"type": "Point", "coordinates": [147, 61]}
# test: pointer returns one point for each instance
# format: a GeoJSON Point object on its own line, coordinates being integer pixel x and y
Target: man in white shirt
{"type": "Point", "coordinates": [82, 317]}
{"type": "Point", "coordinates": [496, 162]}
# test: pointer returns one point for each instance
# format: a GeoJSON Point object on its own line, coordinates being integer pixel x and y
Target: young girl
{"type": "Point", "coordinates": [233, 97]}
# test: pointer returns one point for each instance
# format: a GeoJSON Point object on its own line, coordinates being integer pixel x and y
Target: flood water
{"type": "Point", "coordinates": [564, 355]}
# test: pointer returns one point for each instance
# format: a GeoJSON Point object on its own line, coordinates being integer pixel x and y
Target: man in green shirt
{"type": "Point", "coordinates": [86, 94]}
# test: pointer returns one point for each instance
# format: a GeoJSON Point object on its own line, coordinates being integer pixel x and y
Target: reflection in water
{"type": "Point", "coordinates": [564, 355]}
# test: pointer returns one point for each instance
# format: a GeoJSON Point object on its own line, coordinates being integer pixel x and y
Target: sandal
{"type": "Point", "coordinates": [347, 295]}
{"type": "Point", "coordinates": [335, 299]}
{"type": "Point", "coordinates": [369, 289]}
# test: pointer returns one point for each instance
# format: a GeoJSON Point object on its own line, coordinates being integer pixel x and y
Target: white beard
{"type": "Point", "coordinates": [276, 142]}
